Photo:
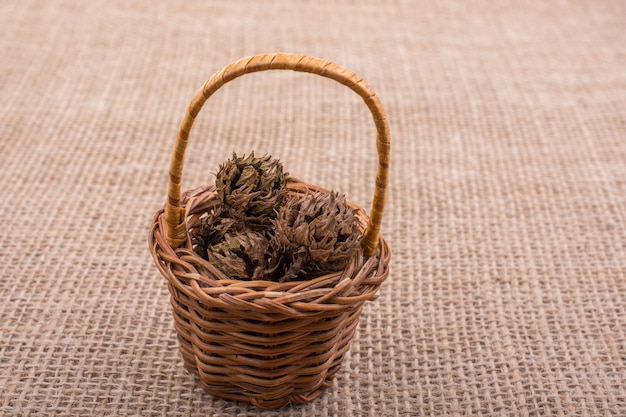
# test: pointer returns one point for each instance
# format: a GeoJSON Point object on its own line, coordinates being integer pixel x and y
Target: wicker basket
{"type": "Point", "coordinates": [264, 342]}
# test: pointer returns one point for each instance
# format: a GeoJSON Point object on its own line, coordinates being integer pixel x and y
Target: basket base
{"type": "Point", "coordinates": [269, 404]}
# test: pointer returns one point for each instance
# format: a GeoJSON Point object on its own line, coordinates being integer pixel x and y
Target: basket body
{"type": "Point", "coordinates": [263, 342]}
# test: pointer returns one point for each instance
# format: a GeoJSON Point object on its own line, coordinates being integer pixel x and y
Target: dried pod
{"type": "Point", "coordinates": [251, 188]}
{"type": "Point", "coordinates": [318, 233]}
{"type": "Point", "coordinates": [212, 230]}
{"type": "Point", "coordinates": [289, 260]}
{"type": "Point", "coordinates": [241, 255]}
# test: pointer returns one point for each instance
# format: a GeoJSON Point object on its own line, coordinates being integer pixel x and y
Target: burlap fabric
{"type": "Point", "coordinates": [506, 213]}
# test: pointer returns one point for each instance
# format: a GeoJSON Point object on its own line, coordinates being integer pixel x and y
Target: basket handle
{"type": "Point", "coordinates": [176, 233]}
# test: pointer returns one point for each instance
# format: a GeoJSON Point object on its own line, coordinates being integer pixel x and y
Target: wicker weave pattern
{"type": "Point", "coordinates": [264, 342]}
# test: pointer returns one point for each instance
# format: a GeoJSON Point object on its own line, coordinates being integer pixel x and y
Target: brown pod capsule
{"type": "Point", "coordinates": [251, 188]}
{"type": "Point", "coordinates": [318, 232]}
{"type": "Point", "coordinates": [241, 255]}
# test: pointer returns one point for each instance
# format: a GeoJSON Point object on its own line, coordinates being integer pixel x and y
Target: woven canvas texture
{"type": "Point", "coordinates": [506, 213]}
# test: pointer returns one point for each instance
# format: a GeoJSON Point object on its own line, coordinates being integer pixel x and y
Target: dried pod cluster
{"type": "Point", "coordinates": [262, 232]}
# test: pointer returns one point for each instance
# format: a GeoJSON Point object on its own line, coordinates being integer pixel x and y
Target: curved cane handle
{"type": "Point", "coordinates": [176, 233]}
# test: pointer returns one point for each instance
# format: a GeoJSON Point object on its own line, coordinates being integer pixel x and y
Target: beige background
{"type": "Point", "coordinates": [506, 213]}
